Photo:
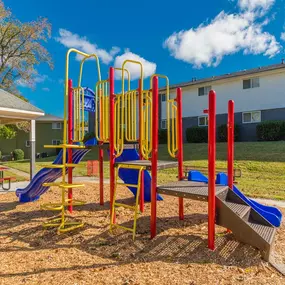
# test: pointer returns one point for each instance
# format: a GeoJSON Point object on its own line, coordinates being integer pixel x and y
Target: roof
{"type": "Point", "coordinates": [49, 118]}
{"type": "Point", "coordinates": [244, 72]}
{"type": "Point", "coordinates": [14, 109]}
{"type": "Point", "coordinates": [8, 100]}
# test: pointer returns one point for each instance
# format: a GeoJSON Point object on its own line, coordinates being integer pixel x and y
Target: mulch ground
{"type": "Point", "coordinates": [91, 255]}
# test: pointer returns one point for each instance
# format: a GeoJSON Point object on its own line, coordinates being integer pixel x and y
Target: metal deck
{"type": "Point", "coordinates": [147, 164]}
{"type": "Point", "coordinates": [188, 189]}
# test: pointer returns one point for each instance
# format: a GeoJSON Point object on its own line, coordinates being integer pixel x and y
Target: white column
{"type": "Point", "coordinates": [32, 149]}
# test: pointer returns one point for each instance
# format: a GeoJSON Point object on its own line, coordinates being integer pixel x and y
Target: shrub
{"type": "Point", "coordinates": [162, 136]}
{"type": "Point", "coordinates": [222, 133]}
{"type": "Point", "coordinates": [0, 154]}
{"type": "Point", "coordinates": [270, 131]}
{"type": "Point", "coordinates": [197, 135]}
{"type": "Point", "coordinates": [18, 154]}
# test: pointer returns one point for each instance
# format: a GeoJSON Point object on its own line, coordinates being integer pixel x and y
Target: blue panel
{"type": "Point", "coordinates": [130, 176]}
{"type": "Point", "coordinates": [197, 176]}
{"type": "Point", "coordinates": [89, 100]}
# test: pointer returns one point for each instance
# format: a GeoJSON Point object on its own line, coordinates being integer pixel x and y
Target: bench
{"type": "Point", "coordinates": [8, 179]}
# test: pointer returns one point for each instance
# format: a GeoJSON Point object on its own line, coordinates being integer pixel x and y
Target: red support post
{"type": "Point", "coordinates": [70, 137]}
{"type": "Point", "coordinates": [231, 144]}
{"type": "Point", "coordinates": [140, 153]}
{"type": "Point", "coordinates": [154, 155]}
{"type": "Point", "coordinates": [180, 146]}
{"type": "Point", "coordinates": [211, 169]}
{"type": "Point", "coordinates": [101, 172]}
{"type": "Point", "coordinates": [111, 137]}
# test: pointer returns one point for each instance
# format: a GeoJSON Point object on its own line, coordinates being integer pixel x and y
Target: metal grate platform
{"type": "Point", "coordinates": [147, 164]}
{"type": "Point", "coordinates": [188, 189]}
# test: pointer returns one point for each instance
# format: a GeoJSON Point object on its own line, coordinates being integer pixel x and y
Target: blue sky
{"type": "Point", "coordinates": [182, 39]}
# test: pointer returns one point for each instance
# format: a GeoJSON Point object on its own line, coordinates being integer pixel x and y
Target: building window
{"type": "Point", "coordinates": [55, 142]}
{"type": "Point", "coordinates": [203, 121]}
{"type": "Point", "coordinates": [56, 126]}
{"type": "Point", "coordinates": [251, 117]}
{"type": "Point", "coordinates": [28, 144]}
{"type": "Point", "coordinates": [163, 124]}
{"type": "Point", "coordinates": [251, 83]}
{"type": "Point", "coordinates": [163, 97]}
{"type": "Point", "coordinates": [204, 90]}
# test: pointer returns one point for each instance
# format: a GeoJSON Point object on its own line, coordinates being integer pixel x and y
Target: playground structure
{"type": "Point", "coordinates": [127, 125]}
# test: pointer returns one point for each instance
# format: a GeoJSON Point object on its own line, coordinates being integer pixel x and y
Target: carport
{"type": "Point", "coordinates": [12, 110]}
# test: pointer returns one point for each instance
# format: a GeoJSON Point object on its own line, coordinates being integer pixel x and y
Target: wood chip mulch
{"type": "Point", "coordinates": [91, 255]}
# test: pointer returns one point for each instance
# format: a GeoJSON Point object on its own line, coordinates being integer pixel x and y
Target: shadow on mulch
{"type": "Point", "coordinates": [8, 206]}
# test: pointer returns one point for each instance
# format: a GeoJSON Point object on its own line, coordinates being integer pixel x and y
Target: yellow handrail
{"type": "Point", "coordinates": [146, 142]}
{"type": "Point", "coordinates": [128, 76]}
{"type": "Point", "coordinates": [171, 119]}
{"type": "Point", "coordinates": [122, 128]}
{"type": "Point", "coordinates": [78, 111]}
{"type": "Point", "coordinates": [119, 127]}
{"type": "Point", "coordinates": [102, 101]}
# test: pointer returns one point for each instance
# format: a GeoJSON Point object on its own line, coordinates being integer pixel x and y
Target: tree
{"type": "Point", "coordinates": [21, 50]}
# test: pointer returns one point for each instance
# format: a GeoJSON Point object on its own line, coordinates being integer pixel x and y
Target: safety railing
{"type": "Point", "coordinates": [78, 114]}
{"type": "Point", "coordinates": [146, 142]}
{"type": "Point", "coordinates": [171, 119]}
{"type": "Point", "coordinates": [126, 106]}
{"type": "Point", "coordinates": [131, 116]}
{"type": "Point", "coordinates": [119, 125]}
{"type": "Point", "coordinates": [102, 101]}
{"type": "Point", "coordinates": [83, 56]}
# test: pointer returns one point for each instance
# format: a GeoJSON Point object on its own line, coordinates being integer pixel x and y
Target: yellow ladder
{"type": "Point", "coordinates": [134, 208]}
{"type": "Point", "coordinates": [63, 225]}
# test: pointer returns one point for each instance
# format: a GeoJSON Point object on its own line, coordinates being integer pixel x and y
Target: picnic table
{"type": "Point", "coordinates": [4, 179]}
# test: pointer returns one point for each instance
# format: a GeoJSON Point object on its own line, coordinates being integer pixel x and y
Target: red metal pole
{"type": "Point", "coordinates": [111, 137]}
{"type": "Point", "coordinates": [140, 153]}
{"type": "Point", "coordinates": [154, 155]}
{"type": "Point", "coordinates": [231, 144]}
{"type": "Point", "coordinates": [70, 137]}
{"type": "Point", "coordinates": [101, 172]}
{"type": "Point", "coordinates": [180, 146]}
{"type": "Point", "coordinates": [211, 169]}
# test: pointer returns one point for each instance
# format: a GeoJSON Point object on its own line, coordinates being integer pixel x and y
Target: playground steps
{"type": "Point", "coordinates": [232, 212]}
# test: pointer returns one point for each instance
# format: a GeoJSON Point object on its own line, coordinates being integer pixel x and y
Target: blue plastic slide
{"type": "Point", "coordinates": [130, 176]}
{"type": "Point", "coordinates": [35, 189]}
{"type": "Point", "coordinates": [271, 214]}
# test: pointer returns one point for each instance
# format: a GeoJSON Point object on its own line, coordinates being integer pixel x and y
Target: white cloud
{"type": "Point", "coordinates": [282, 36]}
{"type": "Point", "coordinates": [46, 89]}
{"type": "Point", "coordinates": [261, 6]}
{"type": "Point", "coordinates": [134, 69]}
{"type": "Point", "coordinates": [226, 34]}
{"type": "Point", "coordinates": [39, 78]}
{"type": "Point", "coordinates": [71, 40]}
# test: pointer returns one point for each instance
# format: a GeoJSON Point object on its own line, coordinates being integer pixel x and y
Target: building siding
{"type": "Point", "coordinates": [44, 135]}
{"type": "Point", "coordinates": [247, 131]}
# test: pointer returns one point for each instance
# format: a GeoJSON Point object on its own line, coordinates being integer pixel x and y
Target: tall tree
{"type": "Point", "coordinates": [21, 49]}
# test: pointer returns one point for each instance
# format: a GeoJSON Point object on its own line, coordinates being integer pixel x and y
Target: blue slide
{"type": "Point", "coordinates": [35, 189]}
{"type": "Point", "coordinates": [271, 214]}
{"type": "Point", "coordinates": [130, 176]}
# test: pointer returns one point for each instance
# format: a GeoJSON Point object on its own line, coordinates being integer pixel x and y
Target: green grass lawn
{"type": "Point", "coordinates": [262, 165]}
